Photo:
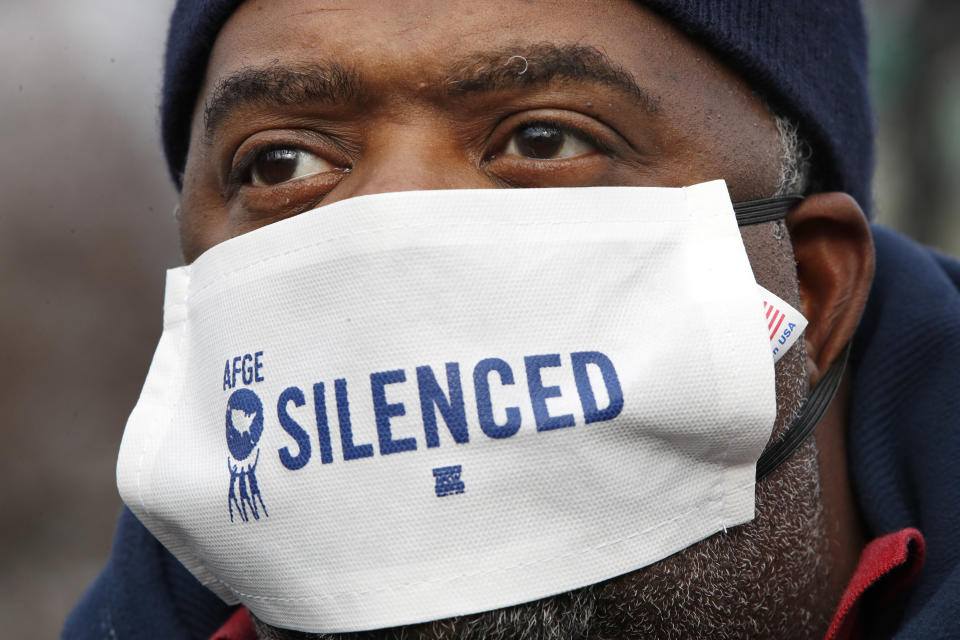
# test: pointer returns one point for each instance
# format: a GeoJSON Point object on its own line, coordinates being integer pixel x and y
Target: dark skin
{"type": "Point", "coordinates": [382, 96]}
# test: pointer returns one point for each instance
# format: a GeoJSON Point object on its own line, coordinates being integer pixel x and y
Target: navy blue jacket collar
{"type": "Point", "coordinates": [904, 429]}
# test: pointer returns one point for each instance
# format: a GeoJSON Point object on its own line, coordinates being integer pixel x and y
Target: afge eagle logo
{"type": "Point", "coordinates": [244, 428]}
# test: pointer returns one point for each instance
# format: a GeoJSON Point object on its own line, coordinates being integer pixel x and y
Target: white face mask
{"type": "Point", "coordinates": [410, 406]}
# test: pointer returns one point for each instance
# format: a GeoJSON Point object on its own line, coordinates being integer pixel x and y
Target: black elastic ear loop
{"type": "Point", "coordinates": [802, 426]}
{"type": "Point", "coordinates": [765, 209]}
{"type": "Point", "coordinates": [768, 210]}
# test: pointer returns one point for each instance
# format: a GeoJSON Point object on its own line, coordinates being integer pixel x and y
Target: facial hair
{"type": "Point", "coordinates": [764, 579]}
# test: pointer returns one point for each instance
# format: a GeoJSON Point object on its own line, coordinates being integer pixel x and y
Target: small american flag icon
{"type": "Point", "coordinates": [774, 318]}
{"type": "Point", "coordinates": [784, 323]}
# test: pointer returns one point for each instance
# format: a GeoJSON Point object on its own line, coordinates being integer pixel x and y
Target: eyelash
{"type": "Point", "coordinates": [240, 175]}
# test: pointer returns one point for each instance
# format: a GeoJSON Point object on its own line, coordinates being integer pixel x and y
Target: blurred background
{"type": "Point", "coordinates": [87, 229]}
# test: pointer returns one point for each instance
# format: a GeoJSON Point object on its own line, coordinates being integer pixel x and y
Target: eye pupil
{"type": "Point", "coordinates": [275, 166]}
{"type": "Point", "coordinates": [540, 141]}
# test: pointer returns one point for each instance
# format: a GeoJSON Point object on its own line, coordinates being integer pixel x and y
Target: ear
{"type": "Point", "coordinates": [834, 253]}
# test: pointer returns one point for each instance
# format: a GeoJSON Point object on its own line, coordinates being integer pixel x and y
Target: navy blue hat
{"type": "Point", "coordinates": [808, 58]}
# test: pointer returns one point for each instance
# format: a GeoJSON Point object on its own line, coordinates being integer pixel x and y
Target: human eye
{"type": "Point", "coordinates": [548, 141]}
{"type": "Point", "coordinates": [277, 173]}
{"type": "Point", "coordinates": [271, 166]}
{"type": "Point", "coordinates": [552, 147]}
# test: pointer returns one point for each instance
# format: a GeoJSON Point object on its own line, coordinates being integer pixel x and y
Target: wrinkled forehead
{"type": "Point", "coordinates": [427, 45]}
{"type": "Point", "coordinates": [425, 34]}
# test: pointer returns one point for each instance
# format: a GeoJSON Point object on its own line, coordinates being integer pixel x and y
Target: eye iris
{"type": "Point", "coordinates": [540, 141]}
{"type": "Point", "coordinates": [276, 166]}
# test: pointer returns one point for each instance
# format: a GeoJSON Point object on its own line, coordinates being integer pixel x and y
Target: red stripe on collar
{"type": "Point", "coordinates": [237, 627]}
{"type": "Point", "coordinates": [887, 566]}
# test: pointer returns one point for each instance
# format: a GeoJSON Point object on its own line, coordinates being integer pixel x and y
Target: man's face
{"type": "Point", "coordinates": [363, 97]}
{"type": "Point", "coordinates": [308, 102]}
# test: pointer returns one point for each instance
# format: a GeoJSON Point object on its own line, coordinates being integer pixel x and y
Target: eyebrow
{"type": "Point", "coordinates": [280, 86]}
{"type": "Point", "coordinates": [541, 64]}
{"type": "Point", "coordinates": [508, 69]}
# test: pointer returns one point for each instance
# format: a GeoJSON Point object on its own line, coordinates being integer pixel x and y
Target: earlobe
{"type": "Point", "coordinates": [834, 253]}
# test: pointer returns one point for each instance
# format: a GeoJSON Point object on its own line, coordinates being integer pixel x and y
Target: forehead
{"type": "Point", "coordinates": [412, 43]}
{"type": "Point", "coordinates": [417, 35]}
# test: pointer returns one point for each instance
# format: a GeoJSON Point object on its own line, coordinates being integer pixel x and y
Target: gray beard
{"type": "Point", "coordinates": [765, 579]}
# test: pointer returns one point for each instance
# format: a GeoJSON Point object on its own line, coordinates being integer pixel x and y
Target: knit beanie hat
{"type": "Point", "coordinates": [807, 58]}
